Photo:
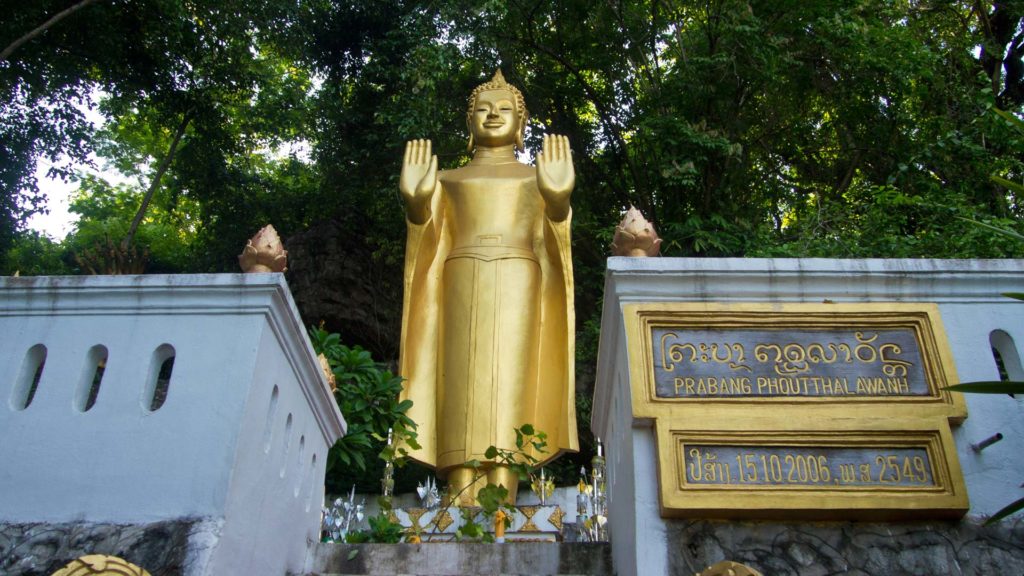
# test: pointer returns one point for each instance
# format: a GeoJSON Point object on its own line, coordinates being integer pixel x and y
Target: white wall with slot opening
{"type": "Point", "coordinates": [239, 441]}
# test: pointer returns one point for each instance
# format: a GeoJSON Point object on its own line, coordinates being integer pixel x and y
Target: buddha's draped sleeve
{"type": "Point", "coordinates": [555, 405]}
{"type": "Point", "coordinates": [425, 252]}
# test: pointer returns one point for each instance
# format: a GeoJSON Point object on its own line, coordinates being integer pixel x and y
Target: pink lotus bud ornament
{"type": "Point", "coordinates": [264, 252]}
{"type": "Point", "coordinates": [635, 236]}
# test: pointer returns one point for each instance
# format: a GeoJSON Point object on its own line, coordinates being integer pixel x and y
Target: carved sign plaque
{"type": "Point", "coordinates": [798, 410]}
{"type": "Point", "coordinates": [897, 472]}
{"type": "Point", "coordinates": [754, 362]}
{"type": "Point", "coordinates": [816, 466]}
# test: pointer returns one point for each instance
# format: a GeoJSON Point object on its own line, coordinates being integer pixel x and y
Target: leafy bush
{"type": "Point", "coordinates": [367, 395]}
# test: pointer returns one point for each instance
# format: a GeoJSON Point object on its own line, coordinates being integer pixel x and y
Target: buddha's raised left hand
{"type": "Point", "coordinates": [556, 176]}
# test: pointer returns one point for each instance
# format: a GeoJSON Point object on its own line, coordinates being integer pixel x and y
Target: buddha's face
{"type": "Point", "coordinates": [494, 120]}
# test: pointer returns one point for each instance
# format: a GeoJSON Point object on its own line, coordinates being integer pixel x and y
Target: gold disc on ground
{"type": "Point", "coordinates": [100, 565]}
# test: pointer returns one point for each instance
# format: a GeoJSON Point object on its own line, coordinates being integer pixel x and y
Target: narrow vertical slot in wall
{"type": "Point", "coordinates": [287, 444]}
{"type": "Point", "coordinates": [158, 382]}
{"type": "Point", "coordinates": [299, 475]}
{"type": "Point", "coordinates": [268, 427]}
{"type": "Point", "coordinates": [1007, 359]}
{"type": "Point", "coordinates": [312, 488]}
{"type": "Point", "coordinates": [88, 390]}
{"type": "Point", "coordinates": [28, 378]}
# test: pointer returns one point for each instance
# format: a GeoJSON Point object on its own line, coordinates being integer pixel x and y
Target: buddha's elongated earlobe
{"type": "Point", "coordinates": [524, 117]}
{"type": "Point", "coordinates": [469, 145]}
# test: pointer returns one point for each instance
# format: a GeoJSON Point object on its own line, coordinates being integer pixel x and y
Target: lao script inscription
{"type": "Point", "coordinates": [758, 362]}
{"type": "Point", "coordinates": [825, 467]}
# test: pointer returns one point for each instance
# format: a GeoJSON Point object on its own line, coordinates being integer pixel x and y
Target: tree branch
{"type": "Point", "coordinates": [43, 28]}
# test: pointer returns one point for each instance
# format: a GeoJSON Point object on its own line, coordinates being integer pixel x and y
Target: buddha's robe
{"type": "Point", "coordinates": [487, 321]}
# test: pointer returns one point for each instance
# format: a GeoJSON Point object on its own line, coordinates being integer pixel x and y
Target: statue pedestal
{"type": "Point", "coordinates": [529, 523]}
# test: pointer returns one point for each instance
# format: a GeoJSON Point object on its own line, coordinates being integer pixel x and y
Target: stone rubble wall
{"type": "Point", "coordinates": [40, 549]}
{"type": "Point", "coordinates": [849, 549]}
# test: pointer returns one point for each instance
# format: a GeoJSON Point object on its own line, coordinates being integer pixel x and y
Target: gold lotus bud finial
{"type": "Point", "coordinates": [635, 236]}
{"type": "Point", "coordinates": [264, 252]}
{"type": "Point", "coordinates": [325, 365]}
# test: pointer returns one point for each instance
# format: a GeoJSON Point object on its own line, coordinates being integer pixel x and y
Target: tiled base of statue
{"type": "Point", "coordinates": [528, 523]}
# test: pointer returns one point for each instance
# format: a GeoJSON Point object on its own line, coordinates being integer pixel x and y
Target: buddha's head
{"type": "Point", "coordinates": [497, 114]}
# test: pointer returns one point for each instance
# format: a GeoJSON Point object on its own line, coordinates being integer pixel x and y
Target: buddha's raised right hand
{"type": "Point", "coordinates": [418, 180]}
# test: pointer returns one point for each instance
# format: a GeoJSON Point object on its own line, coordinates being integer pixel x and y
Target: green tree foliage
{"type": "Point", "coordinates": [105, 212]}
{"type": "Point", "coordinates": [835, 127]}
{"type": "Point", "coordinates": [42, 94]}
{"type": "Point", "coordinates": [741, 125]}
{"type": "Point", "coordinates": [197, 102]}
{"type": "Point", "coordinates": [34, 254]}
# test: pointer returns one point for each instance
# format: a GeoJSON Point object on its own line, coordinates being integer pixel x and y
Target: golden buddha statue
{"type": "Point", "coordinates": [487, 321]}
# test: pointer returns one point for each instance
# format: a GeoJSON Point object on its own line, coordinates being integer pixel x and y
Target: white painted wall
{"type": "Point", "coordinates": [215, 450]}
{"type": "Point", "coordinates": [968, 293]}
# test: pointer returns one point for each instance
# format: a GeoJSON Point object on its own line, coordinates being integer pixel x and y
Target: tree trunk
{"type": "Point", "coordinates": [155, 183]}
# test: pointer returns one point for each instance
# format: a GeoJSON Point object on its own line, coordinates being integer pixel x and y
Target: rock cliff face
{"type": "Point", "coordinates": [335, 278]}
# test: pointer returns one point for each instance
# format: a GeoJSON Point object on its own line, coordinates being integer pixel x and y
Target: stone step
{"type": "Point", "coordinates": [455, 558]}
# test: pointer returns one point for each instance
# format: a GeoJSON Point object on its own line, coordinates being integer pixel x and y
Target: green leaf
{"type": "Point", "coordinates": [352, 554]}
{"type": "Point", "coordinates": [1014, 295]}
{"type": "Point", "coordinates": [988, 387]}
{"type": "Point", "coordinates": [1015, 186]}
{"type": "Point", "coordinates": [490, 498]}
{"type": "Point", "coordinates": [1006, 511]}
{"type": "Point", "coordinates": [996, 229]}
{"type": "Point", "coordinates": [491, 453]}
{"type": "Point", "coordinates": [527, 429]}
{"type": "Point", "coordinates": [1013, 120]}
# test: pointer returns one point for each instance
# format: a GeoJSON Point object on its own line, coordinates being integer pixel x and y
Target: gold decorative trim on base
{"type": "Point", "coordinates": [556, 518]}
{"type": "Point", "coordinates": [445, 520]}
{"type": "Point", "coordinates": [729, 568]}
{"type": "Point", "coordinates": [100, 565]}
{"type": "Point", "coordinates": [440, 524]}
{"type": "Point", "coordinates": [528, 512]}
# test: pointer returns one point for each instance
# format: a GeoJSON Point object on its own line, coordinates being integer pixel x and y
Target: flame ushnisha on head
{"type": "Point", "coordinates": [498, 83]}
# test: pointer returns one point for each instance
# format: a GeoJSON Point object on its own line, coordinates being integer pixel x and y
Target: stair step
{"type": "Point", "coordinates": [455, 558]}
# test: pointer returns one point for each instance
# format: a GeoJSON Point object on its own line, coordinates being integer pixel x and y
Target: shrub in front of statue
{"type": "Point", "coordinates": [367, 395]}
